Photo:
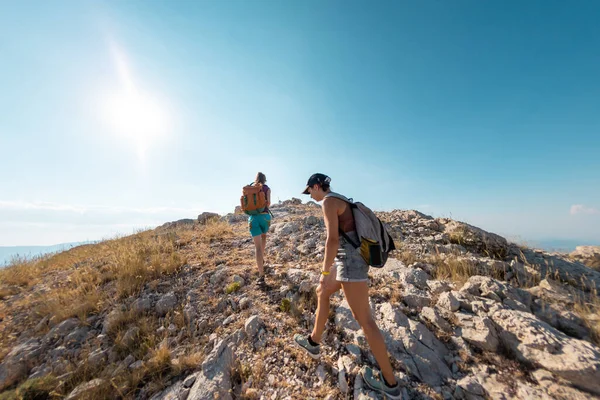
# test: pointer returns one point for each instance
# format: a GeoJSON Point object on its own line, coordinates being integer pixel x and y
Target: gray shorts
{"type": "Point", "coordinates": [350, 265]}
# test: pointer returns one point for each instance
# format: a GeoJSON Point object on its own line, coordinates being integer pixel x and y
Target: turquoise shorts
{"type": "Point", "coordinates": [259, 224]}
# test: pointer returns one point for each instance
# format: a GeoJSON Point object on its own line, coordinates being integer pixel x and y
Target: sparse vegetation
{"type": "Point", "coordinates": [214, 229]}
{"type": "Point", "coordinates": [587, 307]}
{"type": "Point", "coordinates": [286, 305]}
{"type": "Point", "coordinates": [405, 255]}
{"type": "Point", "coordinates": [468, 239]}
{"type": "Point", "coordinates": [452, 267]}
{"type": "Point", "coordinates": [110, 277]}
{"type": "Point", "coordinates": [233, 287]}
{"type": "Point", "coordinates": [37, 389]}
{"type": "Point", "coordinates": [591, 262]}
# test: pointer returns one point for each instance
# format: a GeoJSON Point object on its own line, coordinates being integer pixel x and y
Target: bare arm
{"type": "Point", "coordinates": [269, 197]}
{"type": "Point", "coordinates": [332, 243]}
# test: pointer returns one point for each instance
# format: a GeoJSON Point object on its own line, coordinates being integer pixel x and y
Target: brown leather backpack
{"type": "Point", "coordinates": [254, 199]}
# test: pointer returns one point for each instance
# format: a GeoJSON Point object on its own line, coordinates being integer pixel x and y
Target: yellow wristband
{"type": "Point", "coordinates": [325, 273]}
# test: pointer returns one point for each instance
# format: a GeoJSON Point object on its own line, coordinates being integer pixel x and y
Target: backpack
{"type": "Point", "coordinates": [254, 199]}
{"type": "Point", "coordinates": [375, 240]}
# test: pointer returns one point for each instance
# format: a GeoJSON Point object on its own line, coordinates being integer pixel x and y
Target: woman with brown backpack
{"type": "Point", "coordinates": [256, 199]}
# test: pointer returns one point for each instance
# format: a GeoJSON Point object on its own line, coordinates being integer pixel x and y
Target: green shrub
{"type": "Point", "coordinates": [286, 305]}
{"type": "Point", "coordinates": [8, 395]}
{"type": "Point", "coordinates": [233, 287]}
{"type": "Point", "coordinates": [37, 388]}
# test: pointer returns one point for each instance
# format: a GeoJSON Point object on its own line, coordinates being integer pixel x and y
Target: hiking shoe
{"type": "Point", "coordinates": [260, 282]}
{"type": "Point", "coordinates": [374, 380]}
{"type": "Point", "coordinates": [302, 342]}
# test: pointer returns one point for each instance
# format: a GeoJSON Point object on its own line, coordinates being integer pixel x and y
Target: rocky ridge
{"type": "Point", "coordinates": [465, 315]}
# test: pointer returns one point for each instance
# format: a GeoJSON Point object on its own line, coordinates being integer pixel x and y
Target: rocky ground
{"type": "Point", "coordinates": [465, 314]}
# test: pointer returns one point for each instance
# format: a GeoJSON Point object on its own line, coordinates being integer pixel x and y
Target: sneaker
{"type": "Point", "coordinates": [302, 342]}
{"type": "Point", "coordinates": [260, 282]}
{"type": "Point", "coordinates": [374, 380]}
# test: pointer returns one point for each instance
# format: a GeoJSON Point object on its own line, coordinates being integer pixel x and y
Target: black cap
{"type": "Point", "coordinates": [316, 179]}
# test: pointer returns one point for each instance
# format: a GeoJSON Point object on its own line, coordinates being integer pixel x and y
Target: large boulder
{"type": "Point", "coordinates": [11, 372]}
{"type": "Point", "coordinates": [285, 228]}
{"type": "Point", "coordinates": [476, 239]}
{"type": "Point", "coordinates": [165, 304]}
{"type": "Point", "coordinates": [478, 331]}
{"type": "Point", "coordinates": [567, 270]}
{"type": "Point", "coordinates": [588, 255]}
{"type": "Point", "coordinates": [206, 217]}
{"type": "Point", "coordinates": [86, 390]}
{"type": "Point", "coordinates": [490, 288]}
{"type": "Point", "coordinates": [561, 319]}
{"type": "Point", "coordinates": [214, 381]}
{"type": "Point", "coordinates": [536, 343]}
{"type": "Point", "coordinates": [414, 345]}
{"type": "Point", "coordinates": [415, 298]}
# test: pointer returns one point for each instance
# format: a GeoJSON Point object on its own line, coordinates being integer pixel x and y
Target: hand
{"type": "Point", "coordinates": [328, 281]}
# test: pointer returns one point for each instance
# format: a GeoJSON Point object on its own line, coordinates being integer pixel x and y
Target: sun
{"type": "Point", "coordinates": [136, 116]}
{"type": "Point", "coordinates": [137, 119]}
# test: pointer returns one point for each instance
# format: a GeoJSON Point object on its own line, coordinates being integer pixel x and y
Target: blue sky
{"type": "Point", "coordinates": [117, 115]}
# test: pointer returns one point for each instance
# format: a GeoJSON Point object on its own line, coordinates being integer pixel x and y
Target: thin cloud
{"type": "Point", "coordinates": [581, 209]}
{"type": "Point", "coordinates": [79, 209]}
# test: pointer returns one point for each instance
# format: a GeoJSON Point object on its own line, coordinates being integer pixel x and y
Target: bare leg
{"type": "Point", "coordinates": [259, 254]}
{"type": "Point", "coordinates": [263, 238]}
{"type": "Point", "coordinates": [357, 295]}
{"type": "Point", "coordinates": [323, 295]}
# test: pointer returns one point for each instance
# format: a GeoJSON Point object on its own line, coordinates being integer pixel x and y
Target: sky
{"type": "Point", "coordinates": [122, 115]}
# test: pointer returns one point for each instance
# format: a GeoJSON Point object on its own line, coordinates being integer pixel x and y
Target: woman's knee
{"type": "Point", "coordinates": [368, 324]}
{"type": "Point", "coordinates": [364, 318]}
{"type": "Point", "coordinates": [322, 293]}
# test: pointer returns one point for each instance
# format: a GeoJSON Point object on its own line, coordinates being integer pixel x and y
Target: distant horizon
{"type": "Point", "coordinates": [545, 243]}
{"type": "Point", "coordinates": [7, 253]}
{"type": "Point", "coordinates": [512, 237]}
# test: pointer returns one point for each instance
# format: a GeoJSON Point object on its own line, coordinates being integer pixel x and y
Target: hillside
{"type": "Point", "coordinates": [173, 313]}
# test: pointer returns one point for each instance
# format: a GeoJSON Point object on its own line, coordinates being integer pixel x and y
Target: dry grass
{"type": "Point", "coordinates": [188, 362]}
{"type": "Point", "coordinates": [591, 262]}
{"type": "Point", "coordinates": [19, 272]}
{"type": "Point", "coordinates": [452, 267]}
{"type": "Point", "coordinates": [588, 309]}
{"type": "Point", "coordinates": [84, 280]}
{"type": "Point", "coordinates": [6, 291]}
{"type": "Point", "coordinates": [464, 237]}
{"type": "Point", "coordinates": [215, 229]}
{"type": "Point", "coordinates": [405, 255]}
{"type": "Point", "coordinates": [73, 303]}
{"type": "Point", "coordinates": [259, 374]}
{"type": "Point", "coordinates": [135, 260]}
{"type": "Point", "coordinates": [38, 388]}
{"type": "Point", "coordinates": [79, 297]}
{"type": "Point", "coordinates": [90, 279]}
{"type": "Point", "coordinates": [160, 360]}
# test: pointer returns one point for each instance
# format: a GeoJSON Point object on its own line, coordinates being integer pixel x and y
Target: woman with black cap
{"type": "Point", "coordinates": [343, 267]}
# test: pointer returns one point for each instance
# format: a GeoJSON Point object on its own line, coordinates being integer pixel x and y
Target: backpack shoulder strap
{"type": "Point", "coordinates": [339, 196]}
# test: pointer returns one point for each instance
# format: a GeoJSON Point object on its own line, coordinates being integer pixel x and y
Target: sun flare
{"type": "Point", "coordinates": [138, 118]}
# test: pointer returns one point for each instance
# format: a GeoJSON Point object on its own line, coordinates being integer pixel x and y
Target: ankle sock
{"type": "Point", "coordinates": [312, 343]}
{"type": "Point", "coordinates": [387, 383]}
